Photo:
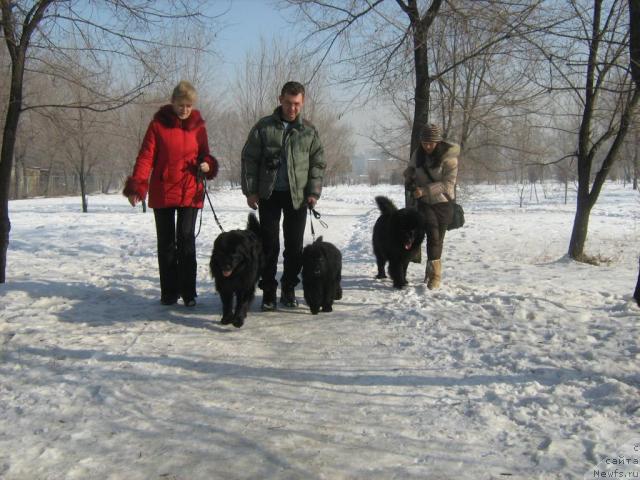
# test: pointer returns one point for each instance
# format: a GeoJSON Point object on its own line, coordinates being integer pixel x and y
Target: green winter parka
{"type": "Point", "coordinates": [262, 152]}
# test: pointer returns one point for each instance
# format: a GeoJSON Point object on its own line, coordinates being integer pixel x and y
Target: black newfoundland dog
{"type": "Point", "coordinates": [397, 236]}
{"type": "Point", "coordinates": [235, 265]}
{"type": "Point", "coordinates": [321, 274]}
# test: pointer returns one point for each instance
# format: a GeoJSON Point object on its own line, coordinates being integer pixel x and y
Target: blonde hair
{"type": "Point", "coordinates": [184, 91]}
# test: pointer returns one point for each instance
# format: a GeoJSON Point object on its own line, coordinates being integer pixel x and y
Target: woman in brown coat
{"type": "Point", "coordinates": [431, 178]}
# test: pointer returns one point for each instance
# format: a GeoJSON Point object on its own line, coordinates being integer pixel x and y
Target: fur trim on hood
{"type": "Point", "coordinates": [169, 119]}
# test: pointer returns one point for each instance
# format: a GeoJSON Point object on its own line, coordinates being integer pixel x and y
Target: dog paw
{"type": "Point", "coordinates": [327, 308]}
{"type": "Point", "coordinates": [381, 276]}
{"type": "Point", "coordinates": [226, 319]}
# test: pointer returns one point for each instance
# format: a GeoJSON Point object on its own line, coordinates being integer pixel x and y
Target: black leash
{"type": "Point", "coordinates": [315, 213]}
{"type": "Point", "coordinates": [202, 178]}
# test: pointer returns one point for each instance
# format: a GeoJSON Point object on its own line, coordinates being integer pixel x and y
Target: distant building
{"type": "Point", "coordinates": [31, 182]}
{"type": "Point", "coordinates": [372, 167]}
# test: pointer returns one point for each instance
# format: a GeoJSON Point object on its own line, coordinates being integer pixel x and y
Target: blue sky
{"type": "Point", "coordinates": [245, 22]}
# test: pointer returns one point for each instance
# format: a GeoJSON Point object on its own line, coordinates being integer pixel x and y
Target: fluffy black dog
{"type": "Point", "coordinates": [397, 236]}
{"type": "Point", "coordinates": [321, 274]}
{"type": "Point", "coordinates": [235, 265]}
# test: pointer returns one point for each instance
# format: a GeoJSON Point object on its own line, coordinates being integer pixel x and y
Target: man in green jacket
{"type": "Point", "coordinates": [282, 172]}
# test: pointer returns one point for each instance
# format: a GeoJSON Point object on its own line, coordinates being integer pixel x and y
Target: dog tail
{"type": "Point", "coordinates": [253, 225]}
{"type": "Point", "coordinates": [385, 205]}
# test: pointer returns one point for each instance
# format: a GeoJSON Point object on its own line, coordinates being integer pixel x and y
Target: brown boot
{"type": "Point", "coordinates": [433, 274]}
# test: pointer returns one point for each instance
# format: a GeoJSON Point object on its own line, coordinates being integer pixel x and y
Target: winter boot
{"type": "Point", "coordinates": [168, 299]}
{"type": "Point", "coordinates": [288, 297]}
{"type": "Point", "coordinates": [433, 274]}
{"type": "Point", "coordinates": [269, 300]}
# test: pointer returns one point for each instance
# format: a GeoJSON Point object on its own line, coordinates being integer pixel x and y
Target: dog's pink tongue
{"type": "Point", "coordinates": [226, 273]}
{"type": "Point", "coordinates": [407, 246]}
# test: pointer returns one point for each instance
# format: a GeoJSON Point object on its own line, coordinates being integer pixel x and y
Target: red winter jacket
{"type": "Point", "coordinates": [170, 154]}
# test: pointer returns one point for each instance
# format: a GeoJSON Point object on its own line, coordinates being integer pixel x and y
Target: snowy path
{"type": "Point", "coordinates": [523, 366]}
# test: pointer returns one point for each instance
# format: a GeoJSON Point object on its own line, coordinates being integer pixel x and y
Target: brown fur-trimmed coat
{"type": "Point", "coordinates": [442, 165]}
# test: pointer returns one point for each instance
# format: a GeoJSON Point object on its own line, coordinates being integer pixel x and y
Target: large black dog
{"type": "Point", "coordinates": [235, 265]}
{"type": "Point", "coordinates": [397, 236]}
{"type": "Point", "coordinates": [321, 274]}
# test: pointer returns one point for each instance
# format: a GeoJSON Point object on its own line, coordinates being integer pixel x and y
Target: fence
{"type": "Point", "coordinates": [39, 182]}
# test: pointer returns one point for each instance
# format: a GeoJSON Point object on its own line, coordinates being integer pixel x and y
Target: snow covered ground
{"type": "Point", "coordinates": [524, 365]}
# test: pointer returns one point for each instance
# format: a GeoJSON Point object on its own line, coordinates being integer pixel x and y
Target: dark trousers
{"type": "Point", "coordinates": [177, 251]}
{"type": "Point", "coordinates": [293, 225]}
{"type": "Point", "coordinates": [437, 218]}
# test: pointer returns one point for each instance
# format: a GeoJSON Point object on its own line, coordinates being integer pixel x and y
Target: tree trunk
{"type": "Point", "coordinates": [422, 92]}
{"type": "Point", "coordinates": [634, 52]}
{"type": "Point", "coordinates": [6, 156]}
{"type": "Point", "coordinates": [580, 228]}
{"type": "Point", "coordinates": [17, 48]}
{"type": "Point", "coordinates": [423, 82]}
{"type": "Point", "coordinates": [6, 159]}
{"type": "Point", "coordinates": [636, 159]}
{"type": "Point", "coordinates": [47, 188]}
{"type": "Point", "coordinates": [636, 294]}
{"type": "Point", "coordinates": [423, 95]}
{"type": "Point", "coordinates": [105, 185]}
{"type": "Point", "coordinates": [584, 155]}
{"type": "Point", "coordinates": [83, 187]}
{"type": "Point", "coordinates": [634, 39]}
{"type": "Point", "coordinates": [16, 179]}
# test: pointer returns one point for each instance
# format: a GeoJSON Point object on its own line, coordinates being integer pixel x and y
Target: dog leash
{"type": "Point", "coordinates": [202, 178]}
{"type": "Point", "coordinates": [316, 214]}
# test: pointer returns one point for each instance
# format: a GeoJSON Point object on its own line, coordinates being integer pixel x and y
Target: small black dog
{"type": "Point", "coordinates": [321, 274]}
{"type": "Point", "coordinates": [397, 236]}
{"type": "Point", "coordinates": [235, 265]}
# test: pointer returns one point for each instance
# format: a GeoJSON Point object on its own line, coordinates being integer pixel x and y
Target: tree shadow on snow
{"type": "Point", "coordinates": [88, 304]}
{"type": "Point", "coordinates": [548, 376]}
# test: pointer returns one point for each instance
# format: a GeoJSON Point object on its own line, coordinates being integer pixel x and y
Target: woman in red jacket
{"type": "Point", "coordinates": [174, 151]}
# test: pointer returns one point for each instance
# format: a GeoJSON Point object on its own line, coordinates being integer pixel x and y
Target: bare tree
{"type": "Point", "coordinates": [618, 125]}
{"type": "Point", "coordinates": [255, 94]}
{"type": "Point", "coordinates": [589, 61]}
{"type": "Point", "coordinates": [227, 133]}
{"type": "Point", "coordinates": [124, 33]}
{"type": "Point", "coordinates": [634, 54]}
{"type": "Point", "coordinates": [636, 293]}
{"type": "Point", "coordinates": [337, 144]}
{"type": "Point", "coordinates": [634, 39]}
{"type": "Point", "coordinates": [636, 158]}
{"type": "Point", "coordinates": [630, 156]}
{"type": "Point", "coordinates": [383, 41]}
{"type": "Point", "coordinates": [82, 130]}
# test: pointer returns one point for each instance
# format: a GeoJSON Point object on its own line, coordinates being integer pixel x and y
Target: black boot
{"type": "Point", "coordinates": [269, 303]}
{"type": "Point", "coordinates": [288, 297]}
{"type": "Point", "coordinates": [168, 299]}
